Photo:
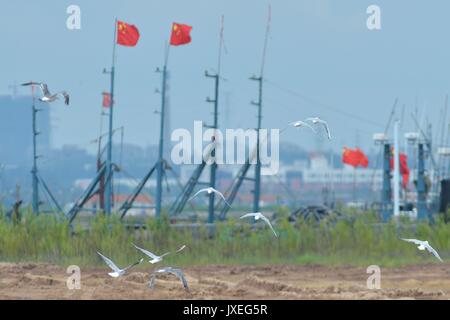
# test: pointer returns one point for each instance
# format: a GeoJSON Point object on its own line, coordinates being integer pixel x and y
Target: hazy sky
{"type": "Point", "coordinates": [318, 49]}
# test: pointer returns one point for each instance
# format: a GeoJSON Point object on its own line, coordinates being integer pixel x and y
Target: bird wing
{"type": "Point", "coordinates": [327, 129]}
{"type": "Point", "coordinates": [152, 282]}
{"type": "Point", "coordinates": [198, 192]}
{"type": "Point", "coordinates": [309, 126]}
{"type": "Point", "coordinates": [180, 275]}
{"type": "Point", "coordinates": [220, 194]}
{"type": "Point", "coordinates": [146, 252]}
{"type": "Point", "coordinates": [66, 97]}
{"type": "Point", "coordinates": [44, 89]}
{"type": "Point", "coordinates": [270, 225]}
{"type": "Point", "coordinates": [248, 215]}
{"type": "Point", "coordinates": [31, 83]}
{"type": "Point", "coordinates": [181, 248]}
{"type": "Point", "coordinates": [418, 242]}
{"type": "Point", "coordinates": [133, 264]}
{"type": "Point", "coordinates": [111, 264]}
{"type": "Point", "coordinates": [41, 85]}
{"type": "Point", "coordinates": [165, 254]}
{"type": "Point", "coordinates": [434, 252]}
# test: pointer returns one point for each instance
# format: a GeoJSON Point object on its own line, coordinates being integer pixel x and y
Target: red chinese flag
{"type": "Point", "coordinates": [363, 160]}
{"type": "Point", "coordinates": [181, 34]}
{"type": "Point", "coordinates": [106, 100]}
{"type": "Point", "coordinates": [127, 34]}
{"type": "Point", "coordinates": [404, 170]}
{"type": "Point", "coordinates": [350, 157]}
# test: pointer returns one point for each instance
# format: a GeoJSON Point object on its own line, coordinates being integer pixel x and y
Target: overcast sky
{"type": "Point", "coordinates": [321, 59]}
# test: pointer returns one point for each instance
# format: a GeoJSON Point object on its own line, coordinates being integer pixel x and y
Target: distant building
{"type": "Point", "coordinates": [16, 132]}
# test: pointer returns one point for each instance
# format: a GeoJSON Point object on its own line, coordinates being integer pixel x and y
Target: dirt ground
{"type": "Point", "coordinates": [43, 281]}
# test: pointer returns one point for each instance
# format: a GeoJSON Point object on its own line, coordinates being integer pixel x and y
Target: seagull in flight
{"type": "Point", "coordinates": [300, 124]}
{"type": "Point", "coordinates": [422, 245]}
{"type": "Point", "coordinates": [117, 272]}
{"type": "Point", "coordinates": [47, 96]}
{"type": "Point", "coordinates": [155, 258]}
{"type": "Point", "coordinates": [210, 190]}
{"type": "Point", "coordinates": [257, 216]}
{"type": "Point", "coordinates": [177, 272]}
{"type": "Point", "coordinates": [317, 120]}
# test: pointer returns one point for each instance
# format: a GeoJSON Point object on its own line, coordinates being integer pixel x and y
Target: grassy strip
{"type": "Point", "coordinates": [356, 240]}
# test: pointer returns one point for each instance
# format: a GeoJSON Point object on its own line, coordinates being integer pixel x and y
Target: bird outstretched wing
{"type": "Point", "coordinates": [108, 261]}
{"type": "Point", "coordinates": [198, 192]}
{"type": "Point", "coordinates": [66, 97]}
{"type": "Point", "coordinates": [248, 215]}
{"type": "Point", "coordinates": [221, 195]}
{"type": "Point", "coordinates": [418, 242]}
{"type": "Point", "coordinates": [434, 252]}
{"type": "Point", "coordinates": [133, 264]}
{"type": "Point", "coordinates": [270, 225]}
{"type": "Point", "coordinates": [146, 252]}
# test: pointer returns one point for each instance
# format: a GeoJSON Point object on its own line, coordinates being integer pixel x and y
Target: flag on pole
{"type": "Point", "coordinates": [181, 34]}
{"type": "Point", "coordinates": [354, 158]}
{"type": "Point", "coordinates": [127, 34]}
{"type": "Point", "coordinates": [363, 160]}
{"type": "Point", "coordinates": [404, 169]}
{"type": "Point", "coordinates": [106, 100]}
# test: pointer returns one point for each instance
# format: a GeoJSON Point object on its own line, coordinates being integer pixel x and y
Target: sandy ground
{"type": "Point", "coordinates": [43, 281]}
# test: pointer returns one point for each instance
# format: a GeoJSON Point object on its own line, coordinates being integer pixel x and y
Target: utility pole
{"type": "Point", "coordinates": [386, 195]}
{"type": "Point", "coordinates": [212, 182]}
{"type": "Point", "coordinates": [160, 165]}
{"type": "Point", "coordinates": [257, 188]}
{"type": "Point", "coordinates": [108, 164]}
{"type": "Point", "coordinates": [34, 170]}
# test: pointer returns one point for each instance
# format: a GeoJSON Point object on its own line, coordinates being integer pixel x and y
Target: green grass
{"type": "Point", "coordinates": [357, 240]}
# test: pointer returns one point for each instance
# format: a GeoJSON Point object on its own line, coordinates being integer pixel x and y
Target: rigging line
{"type": "Point", "coordinates": [323, 105]}
{"type": "Point", "coordinates": [266, 40]}
{"type": "Point", "coordinates": [221, 45]}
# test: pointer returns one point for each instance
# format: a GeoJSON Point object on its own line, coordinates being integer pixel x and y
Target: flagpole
{"type": "Point", "coordinates": [108, 173]}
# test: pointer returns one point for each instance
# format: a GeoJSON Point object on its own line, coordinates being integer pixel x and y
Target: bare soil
{"type": "Point", "coordinates": [44, 281]}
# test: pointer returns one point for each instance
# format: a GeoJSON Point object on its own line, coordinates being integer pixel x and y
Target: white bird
{"type": "Point", "coordinates": [422, 245]}
{"type": "Point", "coordinates": [257, 216]}
{"type": "Point", "coordinates": [47, 96]}
{"type": "Point", "coordinates": [299, 124]}
{"type": "Point", "coordinates": [174, 271]}
{"type": "Point", "coordinates": [154, 257]}
{"type": "Point", "coordinates": [210, 190]}
{"type": "Point", "coordinates": [117, 271]}
{"type": "Point", "coordinates": [317, 120]}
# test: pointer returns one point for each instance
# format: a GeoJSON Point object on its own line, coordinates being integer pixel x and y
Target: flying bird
{"type": "Point", "coordinates": [46, 95]}
{"type": "Point", "coordinates": [422, 245]}
{"type": "Point", "coordinates": [300, 124]}
{"type": "Point", "coordinates": [177, 272]}
{"type": "Point", "coordinates": [154, 257]}
{"type": "Point", "coordinates": [317, 120]}
{"type": "Point", "coordinates": [117, 271]}
{"type": "Point", "coordinates": [210, 190]}
{"type": "Point", "coordinates": [257, 216]}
